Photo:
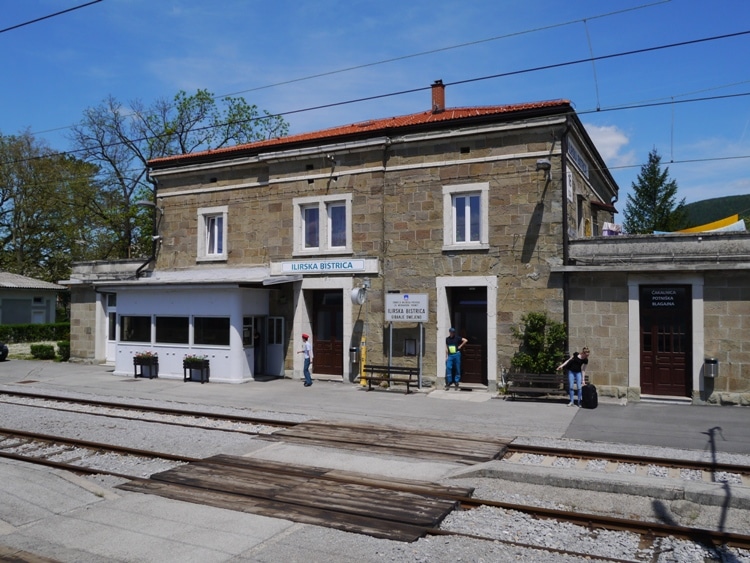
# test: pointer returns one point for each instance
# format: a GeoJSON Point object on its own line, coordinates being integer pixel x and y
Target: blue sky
{"type": "Point", "coordinates": [265, 50]}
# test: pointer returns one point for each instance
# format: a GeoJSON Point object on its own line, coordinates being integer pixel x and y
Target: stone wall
{"type": "Point", "coordinates": [727, 337]}
{"type": "Point", "coordinates": [598, 318]}
{"type": "Point", "coordinates": [83, 324]}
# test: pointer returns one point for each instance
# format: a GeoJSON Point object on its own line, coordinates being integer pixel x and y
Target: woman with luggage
{"type": "Point", "coordinates": [576, 365]}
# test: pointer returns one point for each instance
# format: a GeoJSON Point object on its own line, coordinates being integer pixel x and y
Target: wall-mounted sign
{"type": "Point", "coordinates": [332, 266]}
{"type": "Point", "coordinates": [663, 297]}
{"type": "Point", "coordinates": [406, 307]}
{"type": "Point", "coordinates": [575, 156]}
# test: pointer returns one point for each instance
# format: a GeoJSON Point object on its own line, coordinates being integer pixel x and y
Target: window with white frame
{"type": "Point", "coordinates": [323, 225]}
{"type": "Point", "coordinates": [212, 233]}
{"type": "Point", "coordinates": [465, 216]}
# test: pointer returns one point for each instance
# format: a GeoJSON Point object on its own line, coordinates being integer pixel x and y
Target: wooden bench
{"type": "Point", "coordinates": [538, 384]}
{"type": "Point", "coordinates": [390, 374]}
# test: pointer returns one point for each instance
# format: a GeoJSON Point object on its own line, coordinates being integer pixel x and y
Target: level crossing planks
{"type": "Point", "coordinates": [385, 508]}
{"type": "Point", "coordinates": [391, 440]}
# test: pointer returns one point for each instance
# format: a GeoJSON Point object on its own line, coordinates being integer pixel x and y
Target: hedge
{"type": "Point", "coordinates": [43, 351]}
{"type": "Point", "coordinates": [12, 334]}
{"type": "Point", "coordinates": [63, 350]}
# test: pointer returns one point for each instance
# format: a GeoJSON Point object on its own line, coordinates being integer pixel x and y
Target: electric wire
{"type": "Point", "coordinates": [420, 54]}
{"type": "Point", "coordinates": [444, 49]}
{"type": "Point", "coordinates": [37, 20]}
{"type": "Point", "coordinates": [483, 78]}
{"type": "Point", "coordinates": [578, 112]}
{"type": "Point", "coordinates": [459, 83]}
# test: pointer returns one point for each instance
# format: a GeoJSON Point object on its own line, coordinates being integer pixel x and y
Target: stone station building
{"type": "Point", "coordinates": [480, 214]}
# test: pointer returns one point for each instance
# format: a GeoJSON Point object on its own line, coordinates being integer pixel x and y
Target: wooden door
{"type": "Point", "coordinates": [328, 332]}
{"type": "Point", "coordinates": [666, 342]}
{"type": "Point", "coordinates": [469, 316]}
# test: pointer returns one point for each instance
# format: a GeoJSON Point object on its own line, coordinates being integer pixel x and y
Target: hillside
{"type": "Point", "coordinates": [709, 210]}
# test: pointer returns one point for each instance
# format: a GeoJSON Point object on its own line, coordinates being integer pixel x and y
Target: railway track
{"type": "Point", "coordinates": [389, 508]}
{"type": "Point", "coordinates": [357, 503]}
{"type": "Point", "coordinates": [518, 453]}
{"type": "Point", "coordinates": [384, 439]}
{"type": "Point", "coordinates": [82, 456]}
{"type": "Point", "coordinates": [382, 507]}
{"type": "Point", "coordinates": [162, 415]}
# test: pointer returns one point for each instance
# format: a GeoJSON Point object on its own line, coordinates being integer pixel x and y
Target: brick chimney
{"type": "Point", "coordinates": [438, 96]}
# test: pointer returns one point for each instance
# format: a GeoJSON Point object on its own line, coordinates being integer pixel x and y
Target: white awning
{"type": "Point", "coordinates": [193, 277]}
{"type": "Point", "coordinates": [274, 280]}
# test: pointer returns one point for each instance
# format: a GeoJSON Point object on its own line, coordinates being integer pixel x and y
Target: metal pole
{"type": "Point", "coordinates": [390, 345]}
{"type": "Point", "coordinates": [419, 355]}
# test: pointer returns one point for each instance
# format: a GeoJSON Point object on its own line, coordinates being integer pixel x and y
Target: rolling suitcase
{"type": "Point", "coordinates": [589, 397]}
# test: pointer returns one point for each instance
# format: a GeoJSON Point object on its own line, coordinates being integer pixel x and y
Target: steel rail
{"type": "Point", "coordinates": [698, 465]}
{"type": "Point", "coordinates": [648, 529]}
{"type": "Point", "coordinates": [68, 466]}
{"type": "Point", "coordinates": [641, 527]}
{"type": "Point", "coordinates": [91, 445]}
{"type": "Point", "coordinates": [588, 556]}
{"type": "Point", "coordinates": [645, 528]}
{"type": "Point", "coordinates": [151, 409]}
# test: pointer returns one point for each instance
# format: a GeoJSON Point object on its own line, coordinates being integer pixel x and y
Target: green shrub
{"type": "Point", "coordinates": [63, 350]}
{"type": "Point", "coordinates": [34, 332]}
{"type": "Point", "coordinates": [542, 346]}
{"type": "Point", "coordinates": [43, 351]}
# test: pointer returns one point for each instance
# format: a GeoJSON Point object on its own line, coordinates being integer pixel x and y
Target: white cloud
{"type": "Point", "coordinates": [610, 141]}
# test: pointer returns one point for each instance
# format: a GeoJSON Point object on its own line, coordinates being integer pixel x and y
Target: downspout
{"type": "Point", "coordinates": [566, 250]}
{"type": "Point", "coordinates": [154, 233]}
{"type": "Point", "coordinates": [385, 244]}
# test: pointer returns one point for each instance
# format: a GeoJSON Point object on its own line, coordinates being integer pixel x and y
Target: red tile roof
{"type": "Point", "coordinates": [370, 127]}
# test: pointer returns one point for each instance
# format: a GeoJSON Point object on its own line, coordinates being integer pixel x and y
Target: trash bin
{"type": "Point", "coordinates": [353, 355]}
{"type": "Point", "coordinates": [711, 367]}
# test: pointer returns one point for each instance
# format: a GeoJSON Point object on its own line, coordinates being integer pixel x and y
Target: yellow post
{"type": "Point", "coordinates": [362, 359]}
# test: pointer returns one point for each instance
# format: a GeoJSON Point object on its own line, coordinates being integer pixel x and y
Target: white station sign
{"type": "Point", "coordinates": [406, 307]}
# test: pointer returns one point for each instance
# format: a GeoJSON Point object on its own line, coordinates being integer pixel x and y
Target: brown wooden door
{"type": "Point", "coordinates": [469, 315]}
{"type": "Point", "coordinates": [666, 340]}
{"type": "Point", "coordinates": [328, 332]}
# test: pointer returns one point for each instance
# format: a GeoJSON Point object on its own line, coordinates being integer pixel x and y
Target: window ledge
{"type": "Point", "coordinates": [317, 252]}
{"type": "Point", "coordinates": [211, 259]}
{"type": "Point", "coordinates": [462, 247]}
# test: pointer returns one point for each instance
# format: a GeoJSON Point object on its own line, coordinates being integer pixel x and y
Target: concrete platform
{"type": "Point", "coordinates": [682, 426]}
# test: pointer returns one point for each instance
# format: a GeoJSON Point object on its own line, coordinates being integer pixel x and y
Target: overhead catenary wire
{"type": "Point", "coordinates": [444, 49]}
{"type": "Point", "coordinates": [642, 105]}
{"type": "Point", "coordinates": [457, 83]}
{"type": "Point", "coordinates": [420, 54]}
{"type": "Point", "coordinates": [472, 80]}
{"type": "Point", "coordinates": [61, 12]}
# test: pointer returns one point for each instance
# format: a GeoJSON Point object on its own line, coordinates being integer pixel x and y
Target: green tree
{"type": "Point", "coordinates": [43, 208]}
{"type": "Point", "coordinates": [542, 345]}
{"type": "Point", "coordinates": [653, 204]}
{"type": "Point", "coordinates": [120, 141]}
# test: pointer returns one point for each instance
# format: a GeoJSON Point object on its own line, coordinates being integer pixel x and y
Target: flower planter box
{"type": "Point", "coordinates": [149, 367]}
{"type": "Point", "coordinates": [195, 370]}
